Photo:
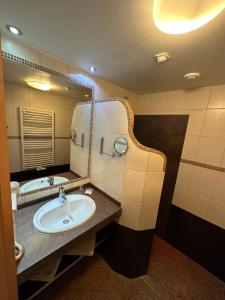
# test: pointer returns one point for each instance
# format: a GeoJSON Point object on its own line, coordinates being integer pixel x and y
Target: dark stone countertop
{"type": "Point", "coordinates": [40, 248]}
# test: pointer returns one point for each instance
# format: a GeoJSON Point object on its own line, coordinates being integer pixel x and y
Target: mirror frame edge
{"type": "Point", "coordinates": [8, 283]}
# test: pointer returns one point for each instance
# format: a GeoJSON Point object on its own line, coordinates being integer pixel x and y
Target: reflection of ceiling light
{"type": "Point", "coordinates": [177, 17]}
{"type": "Point", "coordinates": [92, 69]}
{"type": "Point", "coordinates": [39, 85]}
{"type": "Point", "coordinates": [162, 57]}
{"type": "Point", "coordinates": [192, 75]}
{"type": "Point", "coordinates": [14, 29]}
{"type": "Point", "coordinates": [86, 95]}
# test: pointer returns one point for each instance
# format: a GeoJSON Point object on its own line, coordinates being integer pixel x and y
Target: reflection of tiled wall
{"type": "Point", "coordinates": [198, 190]}
{"type": "Point", "coordinates": [16, 96]}
{"type": "Point", "coordinates": [134, 179]}
{"type": "Point", "coordinates": [81, 124]}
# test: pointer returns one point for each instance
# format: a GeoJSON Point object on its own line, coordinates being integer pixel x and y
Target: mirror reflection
{"type": "Point", "coordinates": [48, 127]}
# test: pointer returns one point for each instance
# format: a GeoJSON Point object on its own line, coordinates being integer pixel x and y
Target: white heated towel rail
{"type": "Point", "coordinates": [37, 137]}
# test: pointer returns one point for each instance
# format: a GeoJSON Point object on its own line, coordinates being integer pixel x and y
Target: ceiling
{"type": "Point", "coordinates": [120, 40]}
{"type": "Point", "coordinates": [20, 74]}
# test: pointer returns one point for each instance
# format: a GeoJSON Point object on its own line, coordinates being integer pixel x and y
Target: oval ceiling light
{"type": "Point", "coordinates": [190, 76]}
{"type": "Point", "coordinates": [39, 85]}
{"type": "Point", "coordinates": [178, 17]}
{"type": "Point", "coordinates": [13, 29]}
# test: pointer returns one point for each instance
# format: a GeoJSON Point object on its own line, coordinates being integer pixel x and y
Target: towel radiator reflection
{"type": "Point", "coordinates": [37, 137]}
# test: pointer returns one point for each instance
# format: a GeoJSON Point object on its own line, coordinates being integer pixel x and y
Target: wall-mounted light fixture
{"type": "Point", "coordinates": [39, 85]}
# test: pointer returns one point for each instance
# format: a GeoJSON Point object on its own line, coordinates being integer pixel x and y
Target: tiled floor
{"type": "Point", "coordinates": [171, 276]}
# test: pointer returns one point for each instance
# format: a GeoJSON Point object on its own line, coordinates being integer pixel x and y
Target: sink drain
{"type": "Point", "coordinates": [66, 221]}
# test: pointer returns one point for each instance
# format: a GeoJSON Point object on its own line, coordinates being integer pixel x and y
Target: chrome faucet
{"type": "Point", "coordinates": [62, 194]}
{"type": "Point", "coordinates": [51, 180]}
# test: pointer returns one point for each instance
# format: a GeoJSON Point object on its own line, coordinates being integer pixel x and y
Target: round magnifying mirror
{"type": "Point", "coordinates": [121, 145]}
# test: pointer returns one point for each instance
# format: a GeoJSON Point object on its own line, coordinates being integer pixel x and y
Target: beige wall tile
{"type": "Point", "coordinates": [216, 212]}
{"type": "Point", "coordinates": [134, 184]}
{"type": "Point", "coordinates": [15, 155]}
{"type": "Point", "coordinates": [158, 101]}
{"type": "Point", "coordinates": [198, 203]}
{"type": "Point", "coordinates": [203, 180]}
{"type": "Point", "coordinates": [148, 216]}
{"type": "Point", "coordinates": [219, 190]}
{"type": "Point", "coordinates": [214, 124]}
{"type": "Point", "coordinates": [180, 196]}
{"type": "Point", "coordinates": [130, 213]}
{"type": "Point", "coordinates": [217, 98]}
{"type": "Point", "coordinates": [184, 174]}
{"type": "Point", "coordinates": [136, 158]}
{"type": "Point", "coordinates": [62, 151]}
{"type": "Point", "coordinates": [176, 100]}
{"type": "Point", "coordinates": [155, 162]}
{"type": "Point", "coordinates": [195, 122]}
{"type": "Point", "coordinates": [190, 147]}
{"type": "Point", "coordinates": [210, 150]}
{"type": "Point", "coordinates": [197, 98]}
{"type": "Point", "coordinates": [153, 187]}
{"type": "Point", "coordinates": [144, 102]}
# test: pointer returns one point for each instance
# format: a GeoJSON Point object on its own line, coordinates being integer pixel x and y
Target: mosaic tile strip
{"type": "Point", "coordinates": [202, 165]}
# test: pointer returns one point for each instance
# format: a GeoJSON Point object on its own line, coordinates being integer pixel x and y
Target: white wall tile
{"type": "Point", "coordinates": [195, 122]}
{"type": "Point", "coordinates": [136, 159]}
{"type": "Point", "coordinates": [184, 174]}
{"type": "Point", "coordinates": [144, 102]}
{"type": "Point", "coordinates": [180, 196]}
{"type": "Point", "coordinates": [216, 212]}
{"type": "Point", "coordinates": [217, 98]}
{"type": "Point", "coordinates": [153, 187]}
{"type": "Point", "coordinates": [176, 100]}
{"type": "Point", "coordinates": [134, 184]}
{"type": "Point", "coordinates": [197, 98]}
{"type": "Point", "coordinates": [148, 216]}
{"type": "Point", "coordinates": [155, 162]}
{"type": "Point", "coordinates": [219, 190]}
{"type": "Point", "coordinates": [214, 124]}
{"type": "Point", "coordinates": [203, 180]}
{"type": "Point", "coordinates": [190, 147]}
{"type": "Point", "coordinates": [210, 150]}
{"type": "Point", "coordinates": [130, 213]}
{"type": "Point", "coordinates": [197, 203]}
{"type": "Point", "coordinates": [158, 101]}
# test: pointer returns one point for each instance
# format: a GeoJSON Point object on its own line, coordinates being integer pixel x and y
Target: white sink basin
{"type": "Point", "coordinates": [41, 183]}
{"type": "Point", "coordinates": [57, 217]}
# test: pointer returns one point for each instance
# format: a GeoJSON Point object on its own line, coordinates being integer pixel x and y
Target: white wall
{"type": "Point", "coordinates": [199, 190]}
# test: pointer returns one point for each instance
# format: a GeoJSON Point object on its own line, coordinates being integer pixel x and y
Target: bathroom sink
{"type": "Point", "coordinates": [41, 183]}
{"type": "Point", "coordinates": [57, 216]}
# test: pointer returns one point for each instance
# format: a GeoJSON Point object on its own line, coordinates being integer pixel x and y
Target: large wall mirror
{"type": "Point", "coordinates": [48, 126]}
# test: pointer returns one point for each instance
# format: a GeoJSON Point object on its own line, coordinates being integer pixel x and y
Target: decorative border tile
{"type": "Point", "coordinates": [36, 66]}
{"type": "Point", "coordinates": [202, 165]}
{"type": "Point", "coordinates": [130, 117]}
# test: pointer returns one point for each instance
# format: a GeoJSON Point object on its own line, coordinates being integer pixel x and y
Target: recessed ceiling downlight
{"type": "Point", "coordinates": [39, 85]}
{"type": "Point", "coordinates": [13, 29]}
{"type": "Point", "coordinates": [191, 76]}
{"type": "Point", "coordinates": [178, 17]}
